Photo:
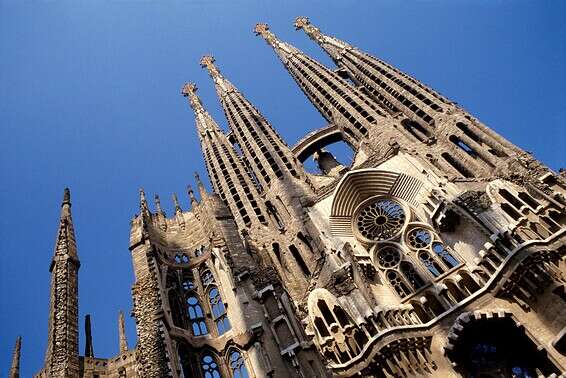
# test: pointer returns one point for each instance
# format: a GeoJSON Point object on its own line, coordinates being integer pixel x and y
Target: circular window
{"type": "Point", "coordinates": [388, 257]}
{"type": "Point", "coordinates": [419, 238]}
{"type": "Point", "coordinates": [380, 219]}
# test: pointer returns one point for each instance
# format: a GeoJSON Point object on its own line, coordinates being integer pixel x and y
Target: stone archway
{"type": "Point", "coordinates": [494, 345]}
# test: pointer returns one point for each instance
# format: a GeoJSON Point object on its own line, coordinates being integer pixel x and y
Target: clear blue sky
{"type": "Point", "coordinates": [90, 99]}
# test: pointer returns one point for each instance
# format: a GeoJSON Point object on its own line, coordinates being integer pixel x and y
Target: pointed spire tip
{"type": "Point", "coordinates": [261, 28]}
{"type": "Point", "coordinates": [207, 60]}
{"type": "Point", "coordinates": [188, 89]}
{"type": "Point", "coordinates": [122, 332]}
{"type": "Point", "coordinates": [66, 197]}
{"type": "Point", "coordinates": [301, 22]}
{"type": "Point", "coordinates": [176, 203]}
{"type": "Point", "coordinates": [312, 31]}
{"type": "Point", "coordinates": [191, 193]}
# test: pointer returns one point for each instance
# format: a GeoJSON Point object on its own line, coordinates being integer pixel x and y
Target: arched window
{"type": "Point", "coordinates": [175, 303]}
{"type": "Point", "coordinates": [274, 214]}
{"type": "Point", "coordinates": [185, 370]}
{"type": "Point", "coordinates": [398, 283]}
{"type": "Point", "coordinates": [196, 315]}
{"type": "Point", "coordinates": [457, 165]}
{"type": "Point", "coordinates": [299, 259]}
{"type": "Point", "coordinates": [206, 277]}
{"type": "Point", "coordinates": [218, 311]}
{"type": "Point", "coordinates": [321, 327]}
{"type": "Point", "coordinates": [411, 275]}
{"type": "Point", "coordinates": [446, 257]}
{"type": "Point", "coordinates": [325, 311]}
{"type": "Point", "coordinates": [432, 254]}
{"type": "Point", "coordinates": [498, 347]}
{"type": "Point", "coordinates": [209, 367]}
{"type": "Point", "coordinates": [430, 264]}
{"type": "Point", "coordinates": [237, 365]}
{"type": "Point", "coordinates": [188, 282]}
{"type": "Point", "coordinates": [419, 132]}
{"type": "Point", "coordinates": [277, 253]}
{"type": "Point", "coordinates": [342, 316]}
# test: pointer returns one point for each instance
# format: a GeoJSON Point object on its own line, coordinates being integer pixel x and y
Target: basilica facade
{"type": "Point", "coordinates": [439, 251]}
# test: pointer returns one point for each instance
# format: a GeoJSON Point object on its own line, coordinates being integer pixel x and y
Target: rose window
{"type": "Point", "coordinates": [388, 257]}
{"type": "Point", "coordinates": [380, 220]}
{"type": "Point", "coordinates": [419, 238]}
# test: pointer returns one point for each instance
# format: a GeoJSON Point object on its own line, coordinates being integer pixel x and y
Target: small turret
{"type": "Point", "coordinates": [201, 188]}
{"type": "Point", "coordinates": [158, 209]}
{"type": "Point", "coordinates": [161, 217]}
{"type": "Point", "coordinates": [191, 194]}
{"type": "Point", "coordinates": [144, 209]}
{"type": "Point", "coordinates": [122, 333]}
{"type": "Point", "coordinates": [176, 203]}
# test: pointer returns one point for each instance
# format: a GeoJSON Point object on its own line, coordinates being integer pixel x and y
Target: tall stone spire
{"type": "Point", "coordinates": [229, 177]}
{"type": "Point", "coordinates": [89, 349]}
{"type": "Point", "coordinates": [388, 86]}
{"type": "Point", "coordinates": [15, 369]}
{"type": "Point", "coordinates": [62, 356]}
{"type": "Point", "coordinates": [430, 116]}
{"type": "Point", "coordinates": [268, 156]}
{"type": "Point", "coordinates": [341, 104]}
{"type": "Point", "coordinates": [122, 333]}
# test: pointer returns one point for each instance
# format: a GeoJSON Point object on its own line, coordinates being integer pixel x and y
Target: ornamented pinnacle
{"type": "Point", "coordinates": [189, 90]}
{"type": "Point", "coordinates": [203, 120]}
{"type": "Point", "coordinates": [122, 333]}
{"type": "Point", "coordinates": [301, 22]}
{"type": "Point", "coordinates": [207, 61]}
{"type": "Point", "coordinates": [158, 205]}
{"type": "Point", "coordinates": [223, 86]}
{"type": "Point", "coordinates": [143, 203]}
{"type": "Point", "coordinates": [197, 179]}
{"type": "Point", "coordinates": [312, 31]}
{"type": "Point", "coordinates": [67, 197]}
{"type": "Point", "coordinates": [191, 194]}
{"type": "Point", "coordinates": [282, 49]}
{"type": "Point", "coordinates": [201, 188]}
{"type": "Point", "coordinates": [262, 29]}
{"type": "Point", "coordinates": [66, 205]}
{"type": "Point", "coordinates": [176, 202]}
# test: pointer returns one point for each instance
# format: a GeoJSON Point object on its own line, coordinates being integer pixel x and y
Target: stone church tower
{"type": "Point", "coordinates": [439, 251]}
